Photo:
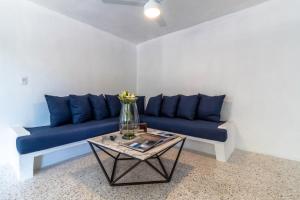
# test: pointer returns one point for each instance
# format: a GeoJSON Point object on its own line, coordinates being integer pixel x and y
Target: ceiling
{"type": "Point", "coordinates": [129, 23]}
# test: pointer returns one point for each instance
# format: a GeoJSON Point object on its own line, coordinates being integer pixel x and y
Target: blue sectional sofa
{"type": "Point", "coordinates": [46, 137]}
{"type": "Point", "coordinates": [77, 118]}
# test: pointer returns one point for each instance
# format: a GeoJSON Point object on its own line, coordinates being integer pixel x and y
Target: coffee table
{"type": "Point", "coordinates": [119, 152]}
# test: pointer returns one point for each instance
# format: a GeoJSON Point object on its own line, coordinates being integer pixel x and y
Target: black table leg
{"type": "Point", "coordinates": [113, 181]}
{"type": "Point", "coordinates": [100, 163]}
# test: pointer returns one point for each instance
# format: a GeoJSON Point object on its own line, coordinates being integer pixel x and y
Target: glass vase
{"type": "Point", "coordinates": [129, 120]}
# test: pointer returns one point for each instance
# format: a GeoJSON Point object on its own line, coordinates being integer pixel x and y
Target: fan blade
{"type": "Point", "coordinates": [161, 21]}
{"type": "Point", "coordinates": [126, 2]}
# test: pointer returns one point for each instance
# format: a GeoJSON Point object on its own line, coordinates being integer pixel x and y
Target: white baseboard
{"type": "Point", "coordinates": [59, 156]}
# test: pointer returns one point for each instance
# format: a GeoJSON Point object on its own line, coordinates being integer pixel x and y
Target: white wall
{"type": "Point", "coordinates": [60, 56]}
{"type": "Point", "coordinates": [252, 56]}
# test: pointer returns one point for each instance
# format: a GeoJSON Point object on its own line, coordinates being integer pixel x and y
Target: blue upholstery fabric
{"type": "Point", "coordinates": [140, 102]}
{"type": "Point", "coordinates": [187, 106]}
{"type": "Point", "coordinates": [47, 137]}
{"type": "Point", "coordinates": [99, 106]}
{"type": "Point", "coordinates": [80, 108]}
{"type": "Point", "coordinates": [114, 105]}
{"type": "Point", "coordinates": [209, 108]}
{"type": "Point", "coordinates": [153, 106]}
{"type": "Point", "coordinates": [196, 128]}
{"type": "Point", "coordinates": [59, 108]}
{"type": "Point", "coordinates": [169, 106]}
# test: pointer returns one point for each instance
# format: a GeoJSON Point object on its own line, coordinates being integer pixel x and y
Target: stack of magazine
{"type": "Point", "coordinates": [146, 141]}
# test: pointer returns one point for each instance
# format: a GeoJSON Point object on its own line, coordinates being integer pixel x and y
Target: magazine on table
{"type": "Point", "coordinates": [146, 141]}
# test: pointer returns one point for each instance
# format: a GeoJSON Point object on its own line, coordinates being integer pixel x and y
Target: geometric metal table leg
{"type": "Point", "coordinates": [114, 167]}
{"type": "Point", "coordinates": [113, 181]}
{"type": "Point", "coordinates": [162, 166]}
{"type": "Point", "coordinates": [100, 163]}
{"type": "Point", "coordinates": [176, 161]}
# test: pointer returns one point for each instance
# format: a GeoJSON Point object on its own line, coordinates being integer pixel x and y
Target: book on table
{"type": "Point", "coordinates": [147, 141]}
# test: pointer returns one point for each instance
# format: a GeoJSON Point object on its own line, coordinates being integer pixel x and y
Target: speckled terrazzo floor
{"type": "Point", "coordinates": [245, 176]}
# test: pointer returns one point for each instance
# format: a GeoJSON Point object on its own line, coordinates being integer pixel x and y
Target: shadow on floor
{"type": "Point", "coordinates": [93, 179]}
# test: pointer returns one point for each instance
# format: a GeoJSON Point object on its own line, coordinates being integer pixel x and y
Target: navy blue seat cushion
{"type": "Point", "coordinates": [80, 108]}
{"type": "Point", "coordinates": [187, 106]}
{"type": "Point", "coordinates": [114, 105]}
{"type": "Point", "coordinates": [140, 102]}
{"type": "Point", "coordinates": [99, 106]}
{"type": "Point", "coordinates": [210, 107]}
{"type": "Point", "coordinates": [169, 106]}
{"type": "Point", "coordinates": [59, 108]}
{"type": "Point", "coordinates": [47, 137]}
{"type": "Point", "coordinates": [195, 128]}
{"type": "Point", "coordinates": [153, 106]}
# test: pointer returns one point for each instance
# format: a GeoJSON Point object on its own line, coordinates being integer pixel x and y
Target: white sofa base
{"type": "Point", "coordinates": [24, 164]}
{"type": "Point", "coordinates": [222, 150]}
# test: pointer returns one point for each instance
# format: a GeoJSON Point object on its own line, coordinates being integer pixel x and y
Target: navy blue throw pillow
{"type": "Point", "coordinates": [169, 106]}
{"type": "Point", "coordinates": [209, 108]}
{"type": "Point", "coordinates": [187, 106]}
{"type": "Point", "coordinates": [114, 105]}
{"type": "Point", "coordinates": [153, 106]}
{"type": "Point", "coordinates": [140, 102]}
{"type": "Point", "coordinates": [59, 108]}
{"type": "Point", "coordinates": [99, 106]}
{"type": "Point", "coordinates": [80, 108]}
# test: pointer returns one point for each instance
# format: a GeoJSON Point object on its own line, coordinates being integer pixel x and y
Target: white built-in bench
{"type": "Point", "coordinates": [24, 164]}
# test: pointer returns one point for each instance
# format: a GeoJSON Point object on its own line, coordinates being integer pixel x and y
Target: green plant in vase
{"type": "Point", "coordinates": [129, 118]}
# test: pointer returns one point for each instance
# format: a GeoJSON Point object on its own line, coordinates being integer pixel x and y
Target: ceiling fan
{"type": "Point", "coordinates": [152, 8]}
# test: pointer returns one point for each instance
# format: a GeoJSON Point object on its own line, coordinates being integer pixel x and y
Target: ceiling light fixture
{"type": "Point", "coordinates": [152, 9]}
